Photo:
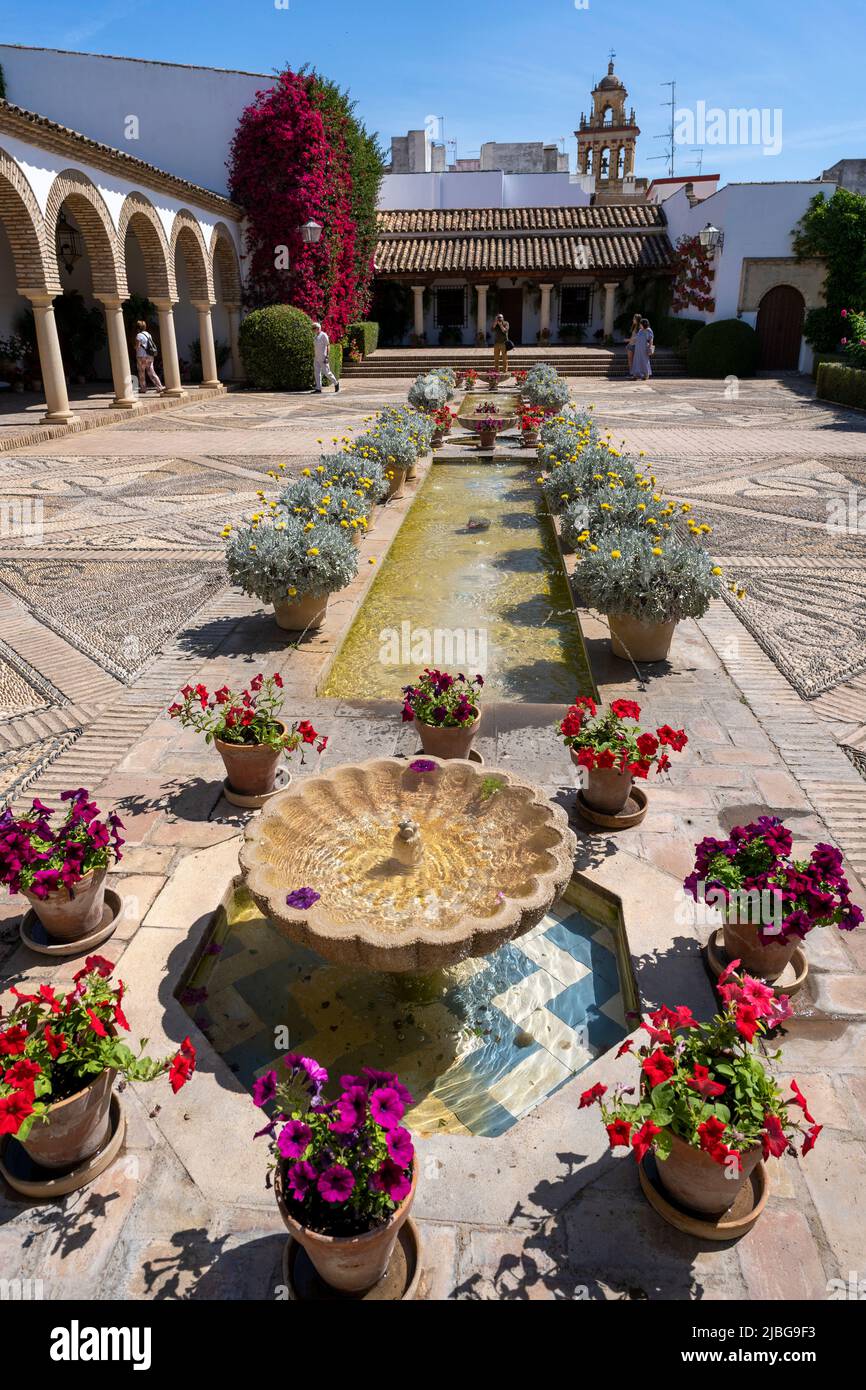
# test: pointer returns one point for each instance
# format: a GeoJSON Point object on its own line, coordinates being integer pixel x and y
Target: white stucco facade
{"type": "Point", "coordinates": [481, 189]}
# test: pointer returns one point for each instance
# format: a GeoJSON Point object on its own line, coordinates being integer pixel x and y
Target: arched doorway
{"type": "Point", "coordinates": [780, 328]}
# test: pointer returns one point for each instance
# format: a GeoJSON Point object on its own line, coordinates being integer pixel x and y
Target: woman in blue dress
{"type": "Point", "coordinates": [641, 365]}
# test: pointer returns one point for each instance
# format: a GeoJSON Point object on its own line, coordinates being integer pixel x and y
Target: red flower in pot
{"type": "Point", "coordinates": [611, 750]}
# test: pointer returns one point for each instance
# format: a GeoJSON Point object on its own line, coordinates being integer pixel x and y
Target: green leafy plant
{"type": "Point", "coordinates": [364, 336]}
{"type": "Point", "coordinates": [728, 347]}
{"type": "Point", "coordinates": [53, 1045]}
{"type": "Point", "coordinates": [277, 558]}
{"type": "Point", "coordinates": [834, 229]}
{"type": "Point", "coordinates": [276, 345]}
{"type": "Point", "coordinates": [430, 391]}
{"type": "Point", "coordinates": [844, 385]}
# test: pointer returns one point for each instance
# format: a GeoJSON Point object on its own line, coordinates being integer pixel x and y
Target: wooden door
{"type": "Point", "coordinates": [780, 328]}
{"type": "Point", "coordinates": [510, 305]}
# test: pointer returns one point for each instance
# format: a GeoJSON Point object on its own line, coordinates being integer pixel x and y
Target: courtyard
{"type": "Point", "coordinates": [123, 599]}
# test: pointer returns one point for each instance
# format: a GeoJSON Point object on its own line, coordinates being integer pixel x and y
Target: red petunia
{"type": "Point", "coordinates": [13, 1041]}
{"type": "Point", "coordinates": [674, 738]}
{"type": "Point", "coordinates": [14, 1110]}
{"type": "Point", "coordinates": [307, 732]}
{"type": "Point", "coordinates": [773, 1139]}
{"type": "Point", "coordinates": [55, 1042]}
{"type": "Point", "coordinates": [96, 1024]}
{"type": "Point", "coordinates": [182, 1066]}
{"type": "Point", "coordinates": [746, 1021]}
{"type": "Point", "coordinates": [703, 1083]}
{"type": "Point", "coordinates": [648, 745]}
{"type": "Point", "coordinates": [658, 1067]}
{"type": "Point", "coordinates": [643, 1140]}
{"type": "Point", "coordinates": [22, 1074]}
{"type": "Point", "coordinates": [625, 709]}
{"type": "Point", "coordinates": [626, 1047]}
{"type": "Point", "coordinates": [799, 1099]}
{"type": "Point", "coordinates": [809, 1141]}
{"type": "Point", "coordinates": [618, 1133]}
{"type": "Point", "coordinates": [592, 1095]}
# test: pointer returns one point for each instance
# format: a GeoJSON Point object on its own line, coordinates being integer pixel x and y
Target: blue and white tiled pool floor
{"type": "Point", "coordinates": [478, 1046]}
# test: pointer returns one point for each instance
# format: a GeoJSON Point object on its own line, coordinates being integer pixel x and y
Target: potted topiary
{"type": "Point", "coordinates": [294, 565]}
{"type": "Point", "coordinates": [645, 584]}
{"type": "Point", "coordinates": [61, 867]}
{"type": "Point", "coordinates": [446, 710]}
{"type": "Point", "coordinates": [62, 1056]}
{"type": "Point", "coordinates": [344, 1170]}
{"type": "Point", "coordinates": [769, 900]}
{"type": "Point", "coordinates": [707, 1106]}
{"type": "Point", "coordinates": [246, 731]}
{"type": "Point", "coordinates": [612, 750]}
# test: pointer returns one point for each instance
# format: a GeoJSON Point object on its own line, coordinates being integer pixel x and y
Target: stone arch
{"type": "Point", "coordinates": [223, 253]}
{"type": "Point", "coordinates": [187, 236]}
{"type": "Point", "coordinates": [139, 216]}
{"type": "Point", "coordinates": [25, 227]}
{"type": "Point", "coordinates": [86, 204]}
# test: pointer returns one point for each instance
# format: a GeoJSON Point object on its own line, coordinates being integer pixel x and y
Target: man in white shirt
{"type": "Point", "coordinates": [321, 359]}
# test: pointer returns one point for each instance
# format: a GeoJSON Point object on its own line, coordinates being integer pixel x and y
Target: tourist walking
{"type": "Point", "coordinates": [322, 359]}
{"type": "Point", "coordinates": [644, 347]}
{"type": "Point", "coordinates": [632, 334]}
{"type": "Point", "coordinates": [145, 352]}
{"type": "Point", "coordinates": [500, 343]}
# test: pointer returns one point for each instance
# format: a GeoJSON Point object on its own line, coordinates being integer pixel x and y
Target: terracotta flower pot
{"type": "Point", "coordinates": [767, 962]}
{"type": "Point", "coordinates": [530, 439]}
{"type": "Point", "coordinates": [607, 789]}
{"type": "Point", "coordinates": [306, 612]}
{"type": "Point", "coordinates": [488, 439]}
{"type": "Point", "coordinates": [251, 768]}
{"type": "Point", "coordinates": [441, 742]}
{"type": "Point", "coordinates": [695, 1180]}
{"type": "Point", "coordinates": [350, 1264]}
{"type": "Point", "coordinates": [74, 1129]}
{"type": "Point", "coordinates": [396, 481]}
{"type": "Point", "coordinates": [632, 639]}
{"type": "Point", "coordinates": [68, 918]}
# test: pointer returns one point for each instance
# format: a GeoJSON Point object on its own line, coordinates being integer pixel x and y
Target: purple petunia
{"type": "Point", "coordinates": [391, 1179]}
{"type": "Point", "coordinates": [422, 765]}
{"type": "Point", "coordinates": [400, 1146]}
{"type": "Point", "coordinates": [386, 1107]}
{"type": "Point", "coordinates": [352, 1106]}
{"type": "Point", "coordinates": [264, 1088]}
{"type": "Point", "coordinates": [300, 1178]}
{"type": "Point", "coordinates": [294, 1138]}
{"type": "Point", "coordinates": [302, 898]}
{"type": "Point", "coordinates": [336, 1183]}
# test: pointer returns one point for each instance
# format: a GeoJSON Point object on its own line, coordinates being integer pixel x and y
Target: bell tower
{"type": "Point", "coordinates": [607, 138]}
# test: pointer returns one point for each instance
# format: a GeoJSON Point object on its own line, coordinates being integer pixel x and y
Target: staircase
{"type": "Point", "coordinates": [574, 362]}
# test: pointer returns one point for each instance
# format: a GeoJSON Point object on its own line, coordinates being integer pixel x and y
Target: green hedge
{"type": "Point", "coordinates": [276, 345]}
{"type": "Point", "coordinates": [336, 355]}
{"type": "Point", "coordinates": [364, 335]}
{"type": "Point", "coordinates": [676, 333]}
{"type": "Point", "coordinates": [825, 357]}
{"type": "Point", "coordinates": [728, 347]}
{"type": "Point", "coordinates": [844, 385]}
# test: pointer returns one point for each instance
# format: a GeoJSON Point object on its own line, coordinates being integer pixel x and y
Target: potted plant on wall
{"type": "Point", "coordinates": [63, 1054]}
{"type": "Point", "coordinates": [443, 419]}
{"type": "Point", "coordinates": [246, 731]}
{"type": "Point", "coordinates": [530, 423]}
{"type": "Point", "coordinates": [707, 1107]}
{"type": "Point", "coordinates": [769, 900]}
{"type": "Point", "coordinates": [294, 565]}
{"type": "Point", "coordinates": [344, 1169]}
{"type": "Point", "coordinates": [645, 584]}
{"type": "Point", "coordinates": [59, 862]}
{"type": "Point", "coordinates": [611, 750]}
{"type": "Point", "coordinates": [446, 710]}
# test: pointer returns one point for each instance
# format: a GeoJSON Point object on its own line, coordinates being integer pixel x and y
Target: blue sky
{"type": "Point", "coordinates": [520, 69]}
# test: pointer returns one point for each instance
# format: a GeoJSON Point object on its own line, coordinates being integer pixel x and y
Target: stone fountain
{"type": "Point", "coordinates": [410, 870]}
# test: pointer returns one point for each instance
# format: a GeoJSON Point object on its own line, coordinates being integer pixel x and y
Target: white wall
{"type": "Point", "coordinates": [758, 220]}
{"type": "Point", "coordinates": [187, 116]}
{"type": "Point", "coordinates": [476, 189]}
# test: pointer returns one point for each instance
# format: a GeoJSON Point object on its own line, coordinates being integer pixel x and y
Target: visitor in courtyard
{"type": "Point", "coordinates": [644, 347]}
{"type": "Point", "coordinates": [500, 343]}
{"type": "Point", "coordinates": [632, 334]}
{"type": "Point", "coordinates": [145, 352]}
{"type": "Point", "coordinates": [322, 359]}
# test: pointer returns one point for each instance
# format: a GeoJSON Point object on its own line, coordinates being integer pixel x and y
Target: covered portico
{"type": "Point", "coordinates": [88, 227]}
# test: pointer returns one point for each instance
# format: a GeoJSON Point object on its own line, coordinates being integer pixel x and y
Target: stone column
{"type": "Point", "coordinates": [234, 316]}
{"type": "Point", "coordinates": [609, 297]}
{"type": "Point", "coordinates": [50, 359]}
{"type": "Point", "coordinates": [168, 349]}
{"type": "Point", "coordinates": [209, 373]}
{"type": "Point", "coordinates": [544, 315]}
{"type": "Point", "coordinates": [124, 396]}
{"type": "Point", "coordinates": [418, 291]}
{"type": "Point", "coordinates": [629, 161]}
{"type": "Point", "coordinates": [481, 318]}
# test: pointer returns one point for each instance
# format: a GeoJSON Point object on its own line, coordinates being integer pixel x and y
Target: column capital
{"type": "Point", "coordinates": [109, 301]}
{"type": "Point", "coordinates": [485, 287]}
{"type": "Point", "coordinates": [232, 306]}
{"type": "Point", "coordinates": [203, 306]}
{"type": "Point", "coordinates": [611, 284]}
{"type": "Point", "coordinates": [547, 285]}
{"type": "Point", "coordinates": [418, 289]}
{"type": "Point", "coordinates": [164, 306]}
{"type": "Point", "coordinates": [40, 299]}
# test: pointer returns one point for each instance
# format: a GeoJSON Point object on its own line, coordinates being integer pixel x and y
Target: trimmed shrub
{"type": "Point", "coordinates": [728, 347]}
{"type": "Point", "coordinates": [843, 385]}
{"type": "Point", "coordinates": [364, 336]}
{"type": "Point", "coordinates": [276, 345]}
{"type": "Point", "coordinates": [820, 357]}
{"type": "Point", "coordinates": [335, 353]}
{"type": "Point", "coordinates": [677, 333]}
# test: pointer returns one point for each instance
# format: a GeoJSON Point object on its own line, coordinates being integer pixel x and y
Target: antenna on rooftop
{"type": "Point", "coordinates": [669, 134]}
{"type": "Point", "coordinates": [700, 158]}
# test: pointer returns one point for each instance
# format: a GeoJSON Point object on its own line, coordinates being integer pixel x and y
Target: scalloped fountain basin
{"type": "Point", "coordinates": [414, 870]}
{"type": "Point", "coordinates": [506, 406]}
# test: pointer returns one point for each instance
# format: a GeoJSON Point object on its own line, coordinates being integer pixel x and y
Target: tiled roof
{"type": "Point", "coordinates": [448, 221]}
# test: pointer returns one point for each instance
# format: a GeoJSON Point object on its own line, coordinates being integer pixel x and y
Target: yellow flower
{"type": "Point", "coordinates": [616, 554]}
{"type": "Point", "coordinates": [313, 550]}
{"type": "Point", "coordinates": [717, 569]}
{"type": "Point", "coordinates": [306, 472]}
{"type": "Point", "coordinates": [292, 592]}
{"type": "Point", "coordinates": [657, 550]}
{"type": "Point", "coordinates": [310, 526]}
{"type": "Point", "coordinates": [593, 547]}
{"type": "Point", "coordinates": [372, 560]}
{"type": "Point", "coordinates": [641, 506]}
{"type": "Point", "coordinates": [686, 506]}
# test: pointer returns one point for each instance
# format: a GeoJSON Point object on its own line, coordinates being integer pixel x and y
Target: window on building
{"type": "Point", "coordinates": [575, 304]}
{"type": "Point", "coordinates": [451, 307]}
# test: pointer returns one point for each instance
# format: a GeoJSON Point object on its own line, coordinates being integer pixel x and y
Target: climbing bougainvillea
{"type": "Point", "coordinates": [299, 154]}
{"type": "Point", "coordinates": [693, 276]}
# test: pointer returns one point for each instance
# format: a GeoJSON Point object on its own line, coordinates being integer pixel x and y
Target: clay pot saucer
{"type": "Point", "coordinates": [400, 1282]}
{"type": "Point", "coordinates": [791, 980]}
{"type": "Point", "coordinates": [732, 1224]}
{"type": "Point", "coordinates": [30, 1179]}
{"type": "Point", "coordinates": [473, 756]}
{"type": "Point", "coordinates": [255, 803]}
{"type": "Point", "coordinates": [631, 814]}
{"type": "Point", "coordinates": [36, 938]}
